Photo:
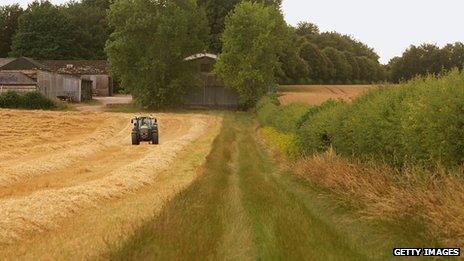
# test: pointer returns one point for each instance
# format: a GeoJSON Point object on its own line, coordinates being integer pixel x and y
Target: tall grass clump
{"type": "Point", "coordinates": [29, 100]}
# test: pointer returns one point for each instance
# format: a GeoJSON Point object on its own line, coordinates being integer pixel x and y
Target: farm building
{"type": "Point", "coordinates": [95, 71]}
{"type": "Point", "coordinates": [25, 71]}
{"type": "Point", "coordinates": [213, 93]}
{"type": "Point", "coordinates": [16, 81]}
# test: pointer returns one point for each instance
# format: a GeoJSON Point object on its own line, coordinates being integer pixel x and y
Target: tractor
{"type": "Point", "coordinates": [145, 129]}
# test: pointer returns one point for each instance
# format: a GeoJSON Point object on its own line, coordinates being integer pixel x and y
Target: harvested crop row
{"type": "Point", "coordinates": [44, 209]}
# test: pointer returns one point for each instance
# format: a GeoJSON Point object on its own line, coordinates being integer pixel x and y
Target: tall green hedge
{"type": "Point", "coordinates": [417, 122]}
{"type": "Point", "coordinates": [283, 118]}
{"type": "Point", "coordinates": [29, 100]}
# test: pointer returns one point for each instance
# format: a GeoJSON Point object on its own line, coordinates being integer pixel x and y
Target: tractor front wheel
{"type": "Point", "coordinates": [135, 139]}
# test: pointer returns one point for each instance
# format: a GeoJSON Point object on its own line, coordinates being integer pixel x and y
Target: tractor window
{"type": "Point", "coordinates": [145, 122]}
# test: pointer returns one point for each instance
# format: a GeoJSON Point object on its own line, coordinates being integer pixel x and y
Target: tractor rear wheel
{"type": "Point", "coordinates": [155, 139]}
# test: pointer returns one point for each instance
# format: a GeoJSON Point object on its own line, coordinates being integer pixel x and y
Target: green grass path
{"type": "Point", "coordinates": [240, 208]}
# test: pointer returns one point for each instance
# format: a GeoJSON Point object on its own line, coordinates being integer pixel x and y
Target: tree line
{"type": "Point", "coordinates": [426, 59]}
{"type": "Point", "coordinates": [76, 30]}
{"type": "Point", "coordinates": [145, 43]}
{"type": "Point", "coordinates": [328, 57]}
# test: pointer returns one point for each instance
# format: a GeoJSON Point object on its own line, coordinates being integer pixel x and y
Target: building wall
{"type": "Point", "coordinates": [53, 85]}
{"type": "Point", "coordinates": [213, 93]}
{"type": "Point", "coordinates": [101, 84]}
{"type": "Point", "coordinates": [213, 97]}
{"type": "Point", "coordinates": [17, 88]}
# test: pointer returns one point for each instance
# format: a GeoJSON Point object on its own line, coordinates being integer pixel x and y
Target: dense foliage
{"type": "Point", "coordinates": [417, 122]}
{"type": "Point", "coordinates": [426, 59]}
{"type": "Point", "coordinates": [44, 31]}
{"type": "Point", "coordinates": [329, 57]}
{"type": "Point", "coordinates": [149, 44]}
{"type": "Point", "coordinates": [255, 35]}
{"type": "Point", "coordinates": [77, 30]}
{"type": "Point", "coordinates": [28, 100]}
{"type": "Point", "coordinates": [9, 16]}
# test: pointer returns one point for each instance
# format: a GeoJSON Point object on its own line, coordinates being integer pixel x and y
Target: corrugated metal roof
{"type": "Point", "coordinates": [201, 55]}
{"type": "Point", "coordinates": [15, 78]}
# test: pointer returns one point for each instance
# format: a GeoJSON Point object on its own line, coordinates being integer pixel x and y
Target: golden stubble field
{"type": "Point", "coordinates": [55, 166]}
{"type": "Point", "coordinates": [317, 94]}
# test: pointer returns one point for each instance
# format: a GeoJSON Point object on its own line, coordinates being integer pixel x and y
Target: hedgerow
{"type": "Point", "coordinates": [29, 100]}
{"type": "Point", "coordinates": [282, 118]}
{"type": "Point", "coordinates": [416, 122]}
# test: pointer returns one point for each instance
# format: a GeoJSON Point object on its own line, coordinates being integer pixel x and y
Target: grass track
{"type": "Point", "coordinates": [240, 208]}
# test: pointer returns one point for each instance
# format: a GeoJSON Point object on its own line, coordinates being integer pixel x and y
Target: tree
{"type": "Point", "coordinates": [343, 43]}
{"type": "Point", "coordinates": [254, 37]}
{"type": "Point", "coordinates": [9, 16]}
{"type": "Point", "coordinates": [426, 59]}
{"type": "Point", "coordinates": [146, 51]}
{"type": "Point", "coordinates": [354, 66]}
{"type": "Point", "coordinates": [44, 32]}
{"type": "Point", "coordinates": [294, 69]}
{"type": "Point", "coordinates": [317, 63]}
{"type": "Point", "coordinates": [306, 29]}
{"type": "Point", "coordinates": [216, 11]}
{"type": "Point", "coordinates": [92, 30]}
{"type": "Point", "coordinates": [342, 68]}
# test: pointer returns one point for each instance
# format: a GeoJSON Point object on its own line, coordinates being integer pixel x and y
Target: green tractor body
{"type": "Point", "coordinates": [145, 129]}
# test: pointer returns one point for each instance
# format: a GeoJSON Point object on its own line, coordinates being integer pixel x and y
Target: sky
{"type": "Point", "coordinates": [388, 26]}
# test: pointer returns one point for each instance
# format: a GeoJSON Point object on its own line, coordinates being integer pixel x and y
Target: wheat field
{"type": "Point", "coordinates": [56, 165]}
{"type": "Point", "coordinates": [317, 94]}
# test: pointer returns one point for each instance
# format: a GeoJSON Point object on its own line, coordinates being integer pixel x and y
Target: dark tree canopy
{"type": "Point", "coordinates": [306, 29]}
{"type": "Point", "coordinates": [217, 11]}
{"type": "Point", "coordinates": [92, 30]}
{"type": "Point", "coordinates": [44, 32]}
{"type": "Point", "coordinates": [9, 16]}
{"type": "Point", "coordinates": [426, 59]}
{"type": "Point", "coordinates": [338, 63]}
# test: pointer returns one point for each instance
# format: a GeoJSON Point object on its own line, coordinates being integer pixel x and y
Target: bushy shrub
{"type": "Point", "coordinates": [266, 108]}
{"type": "Point", "coordinates": [10, 99]}
{"type": "Point", "coordinates": [283, 118]}
{"type": "Point", "coordinates": [285, 142]}
{"type": "Point", "coordinates": [35, 100]}
{"type": "Point", "coordinates": [29, 100]}
{"type": "Point", "coordinates": [320, 126]}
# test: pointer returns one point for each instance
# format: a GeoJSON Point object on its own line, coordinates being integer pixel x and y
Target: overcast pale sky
{"type": "Point", "coordinates": [388, 26]}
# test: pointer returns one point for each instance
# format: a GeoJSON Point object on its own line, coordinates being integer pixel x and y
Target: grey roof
{"type": "Point", "coordinates": [4, 61]}
{"type": "Point", "coordinates": [201, 55]}
{"type": "Point", "coordinates": [15, 78]}
{"type": "Point", "coordinates": [23, 63]}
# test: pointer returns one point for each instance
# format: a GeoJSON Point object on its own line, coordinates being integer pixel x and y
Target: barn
{"type": "Point", "coordinates": [213, 93]}
{"type": "Point", "coordinates": [25, 74]}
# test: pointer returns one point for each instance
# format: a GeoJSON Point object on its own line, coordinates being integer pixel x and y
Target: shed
{"type": "Point", "coordinates": [51, 84]}
{"type": "Point", "coordinates": [213, 93]}
{"type": "Point", "coordinates": [92, 70]}
{"type": "Point", "coordinates": [16, 81]}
